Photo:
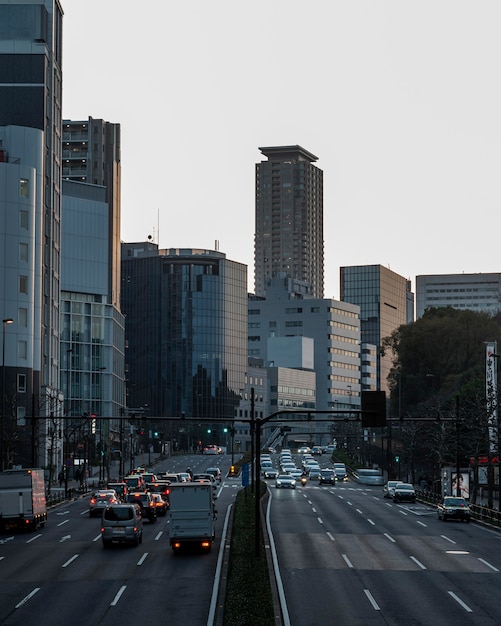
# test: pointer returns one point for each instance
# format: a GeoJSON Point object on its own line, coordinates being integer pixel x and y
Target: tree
{"type": "Point", "coordinates": [438, 365]}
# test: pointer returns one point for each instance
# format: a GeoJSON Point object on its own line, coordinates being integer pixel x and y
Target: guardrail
{"type": "Point", "coordinates": [479, 512]}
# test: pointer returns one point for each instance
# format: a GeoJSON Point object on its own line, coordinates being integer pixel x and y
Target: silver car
{"type": "Point", "coordinates": [122, 523]}
{"type": "Point", "coordinates": [285, 481]}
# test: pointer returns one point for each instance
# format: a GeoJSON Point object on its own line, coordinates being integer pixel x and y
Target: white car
{"type": "Point", "coordinates": [285, 481]}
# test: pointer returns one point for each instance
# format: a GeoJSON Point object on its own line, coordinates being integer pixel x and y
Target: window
{"type": "Point", "coordinates": [22, 349]}
{"type": "Point", "coordinates": [23, 252]}
{"type": "Point", "coordinates": [21, 416]}
{"type": "Point", "coordinates": [23, 284]}
{"type": "Point", "coordinates": [24, 187]}
{"type": "Point", "coordinates": [21, 383]}
{"type": "Point", "coordinates": [22, 318]}
{"type": "Point", "coordinates": [23, 220]}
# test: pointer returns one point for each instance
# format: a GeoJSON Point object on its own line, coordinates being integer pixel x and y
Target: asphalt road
{"type": "Point", "coordinates": [347, 556]}
{"type": "Point", "coordinates": [61, 575]}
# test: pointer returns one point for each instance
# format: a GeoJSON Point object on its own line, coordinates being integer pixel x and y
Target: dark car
{"type": "Point", "coordinates": [145, 500]}
{"type": "Point", "coordinates": [453, 507]}
{"type": "Point", "coordinates": [161, 504]}
{"type": "Point", "coordinates": [122, 523]}
{"type": "Point", "coordinates": [404, 492]}
{"type": "Point", "coordinates": [100, 500]}
{"type": "Point", "coordinates": [327, 477]}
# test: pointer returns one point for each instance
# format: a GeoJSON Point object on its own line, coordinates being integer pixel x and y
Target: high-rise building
{"type": "Point", "coordinates": [30, 217]}
{"type": "Point", "coordinates": [473, 292]}
{"type": "Point", "coordinates": [186, 331]}
{"type": "Point", "coordinates": [91, 154]}
{"type": "Point", "coordinates": [289, 237]}
{"type": "Point", "coordinates": [386, 302]}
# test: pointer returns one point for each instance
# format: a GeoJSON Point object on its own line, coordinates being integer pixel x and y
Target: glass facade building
{"type": "Point", "coordinates": [186, 331]}
{"type": "Point", "coordinates": [385, 302]}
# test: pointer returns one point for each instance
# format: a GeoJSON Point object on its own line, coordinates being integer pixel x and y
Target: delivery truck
{"type": "Point", "coordinates": [192, 516]}
{"type": "Point", "coordinates": [22, 499]}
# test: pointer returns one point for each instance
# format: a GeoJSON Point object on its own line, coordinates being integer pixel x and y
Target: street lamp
{"type": "Point", "coordinates": [9, 320]}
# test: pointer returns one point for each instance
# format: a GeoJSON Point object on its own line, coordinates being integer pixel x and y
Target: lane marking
{"type": "Point", "coordinates": [69, 561]}
{"type": "Point", "coordinates": [460, 602]}
{"type": "Point", "coordinates": [495, 569]}
{"type": "Point", "coordinates": [331, 537]}
{"type": "Point", "coordinates": [142, 559]}
{"type": "Point", "coordinates": [422, 524]}
{"type": "Point", "coordinates": [157, 537]}
{"type": "Point", "coordinates": [447, 538]}
{"type": "Point", "coordinates": [118, 596]}
{"type": "Point", "coordinates": [319, 520]}
{"type": "Point", "coordinates": [97, 538]}
{"type": "Point", "coordinates": [413, 558]}
{"type": "Point", "coordinates": [371, 600]}
{"type": "Point", "coordinates": [347, 560]}
{"type": "Point", "coordinates": [28, 597]}
{"type": "Point", "coordinates": [371, 522]}
{"type": "Point", "coordinates": [390, 538]}
{"type": "Point", "coordinates": [359, 511]}
{"type": "Point", "coordinates": [33, 538]}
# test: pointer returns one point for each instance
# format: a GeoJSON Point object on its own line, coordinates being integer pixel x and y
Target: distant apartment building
{"type": "Point", "coordinates": [186, 312]}
{"type": "Point", "coordinates": [30, 235]}
{"type": "Point", "coordinates": [385, 302]}
{"type": "Point", "coordinates": [289, 238]}
{"type": "Point", "coordinates": [474, 292]}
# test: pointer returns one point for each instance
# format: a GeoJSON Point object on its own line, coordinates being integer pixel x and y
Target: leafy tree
{"type": "Point", "coordinates": [438, 374]}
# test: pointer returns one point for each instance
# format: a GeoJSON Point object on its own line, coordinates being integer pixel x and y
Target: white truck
{"type": "Point", "coordinates": [191, 515]}
{"type": "Point", "coordinates": [22, 499]}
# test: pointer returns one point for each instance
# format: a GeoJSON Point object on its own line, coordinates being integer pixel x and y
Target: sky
{"type": "Point", "coordinates": [400, 101]}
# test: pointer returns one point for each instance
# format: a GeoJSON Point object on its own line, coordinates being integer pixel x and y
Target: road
{"type": "Point", "coordinates": [348, 556]}
{"type": "Point", "coordinates": [61, 575]}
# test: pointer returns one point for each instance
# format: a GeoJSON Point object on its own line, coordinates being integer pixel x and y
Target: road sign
{"type": "Point", "coordinates": [245, 475]}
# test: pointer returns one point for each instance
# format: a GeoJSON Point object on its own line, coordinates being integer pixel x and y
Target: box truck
{"type": "Point", "coordinates": [22, 499]}
{"type": "Point", "coordinates": [191, 515]}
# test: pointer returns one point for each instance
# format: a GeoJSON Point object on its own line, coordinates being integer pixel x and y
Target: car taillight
{"type": "Point", "coordinates": [93, 501]}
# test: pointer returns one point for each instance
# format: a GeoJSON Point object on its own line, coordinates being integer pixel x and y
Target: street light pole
{"type": "Point", "coordinates": [9, 320]}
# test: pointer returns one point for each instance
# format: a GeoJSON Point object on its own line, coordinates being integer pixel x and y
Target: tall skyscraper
{"type": "Point", "coordinates": [386, 302]}
{"type": "Point", "coordinates": [30, 217]}
{"type": "Point", "coordinates": [289, 238]}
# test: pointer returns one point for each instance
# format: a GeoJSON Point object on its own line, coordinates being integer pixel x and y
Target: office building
{"type": "Point", "coordinates": [289, 238]}
{"type": "Point", "coordinates": [385, 301]}
{"type": "Point", "coordinates": [473, 292]}
{"type": "Point", "coordinates": [30, 218]}
{"type": "Point", "coordinates": [92, 329]}
{"type": "Point", "coordinates": [92, 154]}
{"type": "Point", "coordinates": [332, 326]}
{"type": "Point", "coordinates": [186, 312]}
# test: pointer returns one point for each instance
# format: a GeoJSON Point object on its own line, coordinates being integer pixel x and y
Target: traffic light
{"type": "Point", "coordinates": [233, 470]}
{"type": "Point", "coordinates": [225, 430]}
{"type": "Point", "coordinates": [209, 430]}
{"type": "Point", "coordinates": [397, 459]}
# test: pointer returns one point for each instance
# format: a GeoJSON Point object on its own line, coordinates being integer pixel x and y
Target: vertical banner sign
{"type": "Point", "coordinates": [491, 392]}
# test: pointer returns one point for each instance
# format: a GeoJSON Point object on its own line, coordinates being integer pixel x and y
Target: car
{"type": "Point", "coordinates": [211, 449]}
{"type": "Point", "coordinates": [285, 481]}
{"type": "Point", "coordinates": [304, 450]}
{"type": "Point", "coordinates": [270, 472]}
{"type": "Point", "coordinates": [122, 523]}
{"type": "Point", "coordinates": [145, 500]}
{"type": "Point", "coordinates": [216, 472]}
{"type": "Point", "coordinates": [295, 473]}
{"type": "Point", "coordinates": [120, 489]}
{"type": "Point", "coordinates": [404, 492]}
{"type": "Point", "coordinates": [314, 473]}
{"type": "Point", "coordinates": [160, 504]}
{"type": "Point", "coordinates": [369, 477]}
{"type": "Point", "coordinates": [453, 507]}
{"type": "Point", "coordinates": [134, 482]}
{"type": "Point", "coordinates": [317, 451]}
{"type": "Point", "coordinates": [389, 488]}
{"type": "Point", "coordinates": [100, 500]}
{"type": "Point", "coordinates": [340, 470]}
{"type": "Point", "coordinates": [184, 477]}
{"type": "Point", "coordinates": [327, 477]}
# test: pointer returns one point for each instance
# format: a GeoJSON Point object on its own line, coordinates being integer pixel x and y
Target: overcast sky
{"type": "Point", "coordinates": [400, 101]}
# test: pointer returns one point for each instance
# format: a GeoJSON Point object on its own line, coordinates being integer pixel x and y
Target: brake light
{"type": "Point", "coordinates": [102, 529]}
{"type": "Point", "coordinates": [93, 500]}
{"type": "Point", "coordinates": [176, 545]}
{"type": "Point", "coordinates": [205, 544]}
